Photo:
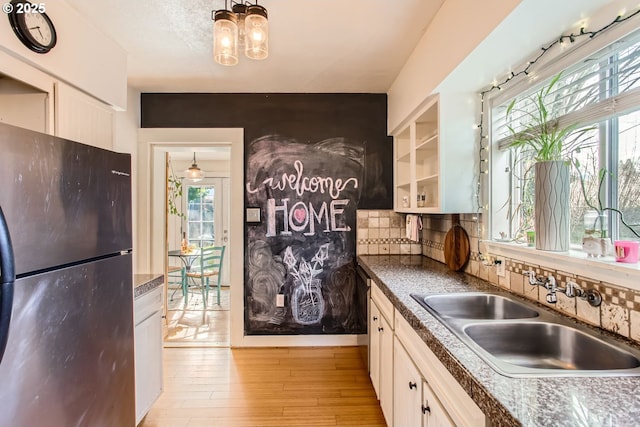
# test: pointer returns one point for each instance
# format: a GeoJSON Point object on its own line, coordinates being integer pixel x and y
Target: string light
{"type": "Point", "coordinates": [526, 71]}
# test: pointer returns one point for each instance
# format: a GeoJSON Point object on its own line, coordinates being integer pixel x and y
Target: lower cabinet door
{"type": "Point", "coordinates": [148, 339]}
{"type": "Point", "coordinates": [407, 387]}
{"type": "Point", "coordinates": [374, 348]}
{"type": "Point", "coordinates": [434, 414]}
{"type": "Point", "coordinates": [386, 370]}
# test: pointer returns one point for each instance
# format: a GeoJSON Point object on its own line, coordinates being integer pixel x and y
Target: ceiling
{"type": "Point", "coordinates": [331, 46]}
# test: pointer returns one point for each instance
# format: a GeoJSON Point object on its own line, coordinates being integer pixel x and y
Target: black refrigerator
{"type": "Point", "coordinates": [66, 301]}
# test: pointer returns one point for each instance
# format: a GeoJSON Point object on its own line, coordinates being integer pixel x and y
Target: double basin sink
{"type": "Point", "coordinates": [518, 339]}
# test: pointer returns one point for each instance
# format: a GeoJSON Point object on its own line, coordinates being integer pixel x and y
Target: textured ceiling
{"type": "Point", "coordinates": [314, 45]}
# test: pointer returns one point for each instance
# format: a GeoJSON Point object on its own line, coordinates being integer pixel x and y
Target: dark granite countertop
{"type": "Point", "coordinates": [143, 283]}
{"type": "Point", "coordinates": [544, 401]}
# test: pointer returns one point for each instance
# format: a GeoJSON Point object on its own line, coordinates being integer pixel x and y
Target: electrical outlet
{"type": "Point", "coordinates": [500, 267]}
{"type": "Point", "coordinates": [280, 300]}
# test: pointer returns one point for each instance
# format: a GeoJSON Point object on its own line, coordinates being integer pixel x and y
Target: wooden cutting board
{"type": "Point", "coordinates": [456, 246]}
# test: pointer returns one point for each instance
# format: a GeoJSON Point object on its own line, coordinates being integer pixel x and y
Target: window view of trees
{"type": "Point", "coordinates": [200, 215]}
{"type": "Point", "coordinates": [602, 94]}
{"type": "Point", "coordinates": [628, 174]}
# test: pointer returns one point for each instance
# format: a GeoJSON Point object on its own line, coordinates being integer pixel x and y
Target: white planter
{"type": "Point", "coordinates": [552, 206]}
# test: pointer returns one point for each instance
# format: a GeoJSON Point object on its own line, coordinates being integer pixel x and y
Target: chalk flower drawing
{"type": "Point", "coordinates": [308, 305]}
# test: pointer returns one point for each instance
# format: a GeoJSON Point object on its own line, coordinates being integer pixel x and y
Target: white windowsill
{"type": "Point", "coordinates": [576, 262]}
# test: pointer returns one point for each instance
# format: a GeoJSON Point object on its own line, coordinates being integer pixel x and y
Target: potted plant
{"type": "Point", "coordinates": [544, 140]}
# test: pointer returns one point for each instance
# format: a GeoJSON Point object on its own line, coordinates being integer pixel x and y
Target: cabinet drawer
{"type": "Point", "coordinates": [385, 306]}
{"type": "Point", "coordinates": [147, 304]}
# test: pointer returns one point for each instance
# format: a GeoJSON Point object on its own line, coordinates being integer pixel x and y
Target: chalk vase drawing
{"type": "Point", "coordinates": [307, 303]}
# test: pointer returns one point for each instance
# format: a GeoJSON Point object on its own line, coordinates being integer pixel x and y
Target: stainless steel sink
{"type": "Point", "coordinates": [471, 305]}
{"type": "Point", "coordinates": [547, 346]}
{"type": "Point", "coordinates": [520, 339]}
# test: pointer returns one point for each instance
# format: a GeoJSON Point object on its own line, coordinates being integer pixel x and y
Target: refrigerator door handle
{"type": "Point", "coordinates": [7, 280]}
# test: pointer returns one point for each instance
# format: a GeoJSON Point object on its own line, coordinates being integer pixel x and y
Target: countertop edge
{"type": "Point", "coordinates": [145, 283]}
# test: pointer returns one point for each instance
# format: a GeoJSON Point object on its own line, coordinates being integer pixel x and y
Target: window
{"type": "Point", "coordinates": [602, 95]}
{"type": "Point", "coordinates": [200, 215]}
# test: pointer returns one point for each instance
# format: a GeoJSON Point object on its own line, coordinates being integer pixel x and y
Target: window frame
{"type": "Point", "coordinates": [606, 110]}
{"type": "Point", "coordinates": [198, 242]}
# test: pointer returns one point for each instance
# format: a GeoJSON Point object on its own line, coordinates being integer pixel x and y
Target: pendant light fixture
{"type": "Point", "coordinates": [225, 37]}
{"type": "Point", "coordinates": [256, 32]}
{"type": "Point", "coordinates": [194, 173]}
{"type": "Point", "coordinates": [240, 10]}
{"type": "Point", "coordinates": [245, 27]}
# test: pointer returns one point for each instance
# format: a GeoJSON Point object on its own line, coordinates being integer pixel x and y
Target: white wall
{"type": "Point", "coordinates": [457, 29]}
{"type": "Point", "coordinates": [83, 57]}
{"type": "Point", "coordinates": [125, 140]}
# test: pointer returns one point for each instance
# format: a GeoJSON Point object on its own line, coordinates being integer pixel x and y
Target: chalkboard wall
{"type": "Point", "coordinates": [311, 160]}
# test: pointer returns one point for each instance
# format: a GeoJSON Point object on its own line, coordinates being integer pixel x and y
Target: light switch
{"type": "Point", "coordinates": [253, 214]}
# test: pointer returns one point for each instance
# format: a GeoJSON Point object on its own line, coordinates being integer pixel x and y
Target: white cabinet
{"type": "Point", "coordinates": [437, 400]}
{"type": "Point", "coordinates": [414, 403]}
{"type": "Point", "coordinates": [374, 347]}
{"type": "Point", "coordinates": [413, 386]}
{"type": "Point", "coordinates": [407, 387]}
{"type": "Point", "coordinates": [81, 118]}
{"type": "Point", "coordinates": [434, 414]}
{"type": "Point", "coordinates": [386, 370]}
{"type": "Point", "coordinates": [434, 160]}
{"type": "Point", "coordinates": [381, 350]}
{"type": "Point", "coordinates": [148, 350]}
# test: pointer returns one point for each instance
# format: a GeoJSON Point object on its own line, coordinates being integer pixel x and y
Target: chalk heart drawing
{"type": "Point", "coordinates": [299, 215]}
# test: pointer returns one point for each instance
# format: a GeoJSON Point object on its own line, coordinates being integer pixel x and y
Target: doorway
{"type": "Point", "coordinates": [151, 234]}
{"type": "Point", "coordinates": [198, 217]}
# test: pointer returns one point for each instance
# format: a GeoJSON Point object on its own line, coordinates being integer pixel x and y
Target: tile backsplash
{"type": "Point", "coordinates": [383, 232]}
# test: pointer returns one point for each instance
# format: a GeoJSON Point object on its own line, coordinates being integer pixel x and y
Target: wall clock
{"type": "Point", "coordinates": [32, 25]}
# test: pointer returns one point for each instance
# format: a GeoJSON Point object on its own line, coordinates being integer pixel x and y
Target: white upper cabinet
{"type": "Point", "coordinates": [81, 118]}
{"type": "Point", "coordinates": [434, 160]}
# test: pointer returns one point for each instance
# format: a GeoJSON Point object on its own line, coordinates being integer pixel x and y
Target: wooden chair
{"type": "Point", "coordinates": [208, 266]}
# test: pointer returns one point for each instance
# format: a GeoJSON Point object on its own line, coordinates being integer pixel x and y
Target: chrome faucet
{"type": "Point", "coordinates": [551, 286]}
{"type": "Point", "coordinates": [573, 290]}
{"type": "Point", "coordinates": [533, 279]}
{"type": "Point", "coordinates": [593, 297]}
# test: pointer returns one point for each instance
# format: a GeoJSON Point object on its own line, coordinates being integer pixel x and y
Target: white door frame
{"type": "Point", "coordinates": [150, 252]}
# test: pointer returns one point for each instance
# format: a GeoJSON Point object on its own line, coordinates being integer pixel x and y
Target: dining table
{"type": "Point", "coordinates": [187, 257]}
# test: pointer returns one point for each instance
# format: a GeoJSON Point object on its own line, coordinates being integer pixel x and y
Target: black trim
{"type": "Point", "coordinates": [7, 280]}
{"type": "Point", "coordinates": [72, 264]}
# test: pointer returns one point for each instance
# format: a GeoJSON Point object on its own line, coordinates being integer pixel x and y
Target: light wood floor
{"type": "Point", "coordinates": [310, 386]}
{"type": "Point", "coordinates": [192, 325]}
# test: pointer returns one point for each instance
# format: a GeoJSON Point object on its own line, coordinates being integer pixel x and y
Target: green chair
{"type": "Point", "coordinates": [208, 266]}
{"type": "Point", "coordinates": [176, 280]}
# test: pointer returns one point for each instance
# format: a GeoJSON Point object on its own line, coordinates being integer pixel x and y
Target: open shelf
{"type": "Point", "coordinates": [417, 162]}
{"type": "Point", "coordinates": [427, 179]}
{"type": "Point", "coordinates": [428, 143]}
{"type": "Point", "coordinates": [435, 153]}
